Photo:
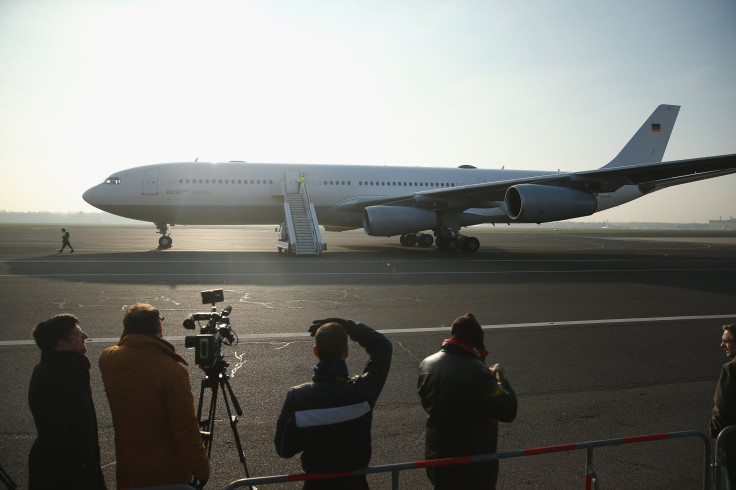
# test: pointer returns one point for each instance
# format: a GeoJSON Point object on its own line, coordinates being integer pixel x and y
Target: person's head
{"type": "Point", "coordinates": [467, 328]}
{"type": "Point", "coordinates": [331, 342]}
{"type": "Point", "coordinates": [63, 229]}
{"type": "Point", "coordinates": [61, 333]}
{"type": "Point", "coordinates": [142, 318]}
{"type": "Point", "coordinates": [728, 340]}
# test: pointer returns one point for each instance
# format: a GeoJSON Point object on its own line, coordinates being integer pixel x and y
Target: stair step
{"type": "Point", "coordinates": [301, 229]}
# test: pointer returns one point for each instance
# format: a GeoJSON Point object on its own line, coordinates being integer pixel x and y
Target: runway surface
{"type": "Point", "coordinates": [602, 333]}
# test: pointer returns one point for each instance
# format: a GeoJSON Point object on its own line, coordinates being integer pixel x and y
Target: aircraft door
{"type": "Point", "coordinates": [292, 182]}
{"type": "Point", "coordinates": [150, 182]}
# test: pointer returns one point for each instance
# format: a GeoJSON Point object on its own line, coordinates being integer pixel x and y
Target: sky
{"type": "Point", "coordinates": [88, 88]}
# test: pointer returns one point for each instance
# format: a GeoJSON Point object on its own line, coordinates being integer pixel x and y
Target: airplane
{"type": "Point", "coordinates": [396, 200]}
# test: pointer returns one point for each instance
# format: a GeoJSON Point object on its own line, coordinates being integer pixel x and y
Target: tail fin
{"type": "Point", "coordinates": [649, 143]}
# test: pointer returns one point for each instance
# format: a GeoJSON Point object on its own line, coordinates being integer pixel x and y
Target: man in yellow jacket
{"type": "Point", "coordinates": [157, 438]}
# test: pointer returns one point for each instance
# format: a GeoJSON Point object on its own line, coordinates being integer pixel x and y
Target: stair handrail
{"type": "Point", "coordinates": [289, 225]}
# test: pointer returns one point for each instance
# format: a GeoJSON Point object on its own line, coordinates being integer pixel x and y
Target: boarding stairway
{"type": "Point", "coordinates": [300, 233]}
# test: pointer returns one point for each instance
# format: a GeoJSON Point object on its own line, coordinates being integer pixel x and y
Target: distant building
{"type": "Point", "coordinates": [722, 224]}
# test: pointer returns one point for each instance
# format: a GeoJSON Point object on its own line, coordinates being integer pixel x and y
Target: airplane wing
{"type": "Point", "coordinates": [649, 177]}
{"type": "Point", "coordinates": [655, 176]}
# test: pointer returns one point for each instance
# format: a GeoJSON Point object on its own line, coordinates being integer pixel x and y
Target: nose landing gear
{"type": "Point", "coordinates": [165, 241]}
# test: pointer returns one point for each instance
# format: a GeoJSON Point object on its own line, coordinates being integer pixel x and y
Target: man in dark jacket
{"type": "Point", "coordinates": [464, 399]}
{"type": "Point", "coordinates": [66, 453]}
{"type": "Point", "coordinates": [329, 419]}
{"type": "Point", "coordinates": [724, 401]}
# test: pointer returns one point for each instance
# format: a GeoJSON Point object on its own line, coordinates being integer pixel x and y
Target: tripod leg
{"type": "Point", "coordinates": [207, 426]}
{"type": "Point", "coordinates": [226, 388]}
{"type": "Point", "coordinates": [234, 398]}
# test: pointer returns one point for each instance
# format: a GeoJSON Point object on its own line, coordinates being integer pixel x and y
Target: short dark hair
{"type": "Point", "coordinates": [141, 318]}
{"type": "Point", "coordinates": [731, 327]}
{"type": "Point", "coordinates": [49, 332]}
{"type": "Point", "coordinates": [331, 341]}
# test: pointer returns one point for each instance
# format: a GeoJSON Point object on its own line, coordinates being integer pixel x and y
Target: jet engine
{"type": "Point", "coordinates": [397, 220]}
{"type": "Point", "coordinates": [533, 203]}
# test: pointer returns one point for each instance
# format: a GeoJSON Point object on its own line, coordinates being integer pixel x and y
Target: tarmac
{"type": "Point", "coordinates": [602, 333]}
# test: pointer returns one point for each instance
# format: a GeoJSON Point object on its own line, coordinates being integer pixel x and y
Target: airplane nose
{"type": "Point", "coordinates": [91, 195]}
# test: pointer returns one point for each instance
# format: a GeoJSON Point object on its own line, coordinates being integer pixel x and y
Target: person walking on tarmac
{"type": "Point", "coordinates": [65, 241]}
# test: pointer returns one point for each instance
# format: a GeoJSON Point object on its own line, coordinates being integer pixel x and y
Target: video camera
{"type": "Point", "coordinates": [213, 334]}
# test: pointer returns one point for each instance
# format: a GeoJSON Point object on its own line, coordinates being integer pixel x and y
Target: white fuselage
{"type": "Point", "coordinates": [247, 193]}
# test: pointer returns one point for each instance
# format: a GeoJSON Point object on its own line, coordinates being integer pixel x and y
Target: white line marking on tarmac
{"type": "Point", "coordinates": [382, 273]}
{"type": "Point", "coordinates": [260, 336]}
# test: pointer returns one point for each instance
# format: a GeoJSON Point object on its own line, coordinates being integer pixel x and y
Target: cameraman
{"type": "Point", "coordinates": [157, 438]}
{"type": "Point", "coordinates": [329, 419]}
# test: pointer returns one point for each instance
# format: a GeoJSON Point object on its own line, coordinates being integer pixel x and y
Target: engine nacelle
{"type": "Point", "coordinates": [397, 220]}
{"type": "Point", "coordinates": [533, 203]}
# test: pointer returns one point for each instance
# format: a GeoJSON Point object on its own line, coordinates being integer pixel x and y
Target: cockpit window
{"type": "Point", "coordinates": [112, 180]}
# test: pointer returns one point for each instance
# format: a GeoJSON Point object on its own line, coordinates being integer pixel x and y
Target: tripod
{"type": "Point", "coordinates": [216, 377]}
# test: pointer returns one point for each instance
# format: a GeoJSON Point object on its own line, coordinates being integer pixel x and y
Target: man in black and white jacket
{"type": "Point", "coordinates": [329, 419]}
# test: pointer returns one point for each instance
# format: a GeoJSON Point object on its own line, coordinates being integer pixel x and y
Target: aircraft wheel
{"type": "Point", "coordinates": [441, 242]}
{"type": "Point", "coordinates": [426, 240]}
{"type": "Point", "coordinates": [408, 240]}
{"type": "Point", "coordinates": [470, 244]}
{"type": "Point", "coordinates": [452, 244]}
{"type": "Point", "coordinates": [165, 242]}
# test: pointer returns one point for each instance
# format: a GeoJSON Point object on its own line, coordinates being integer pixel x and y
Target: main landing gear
{"type": "Point", "coordinates": [458, 242]}
{"type": "Point", "coordinates": [421, 239]}
{"type": "Point", "coordinates": [446, 240]}
{"type": "Point", "coordinates": [165, 241]}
